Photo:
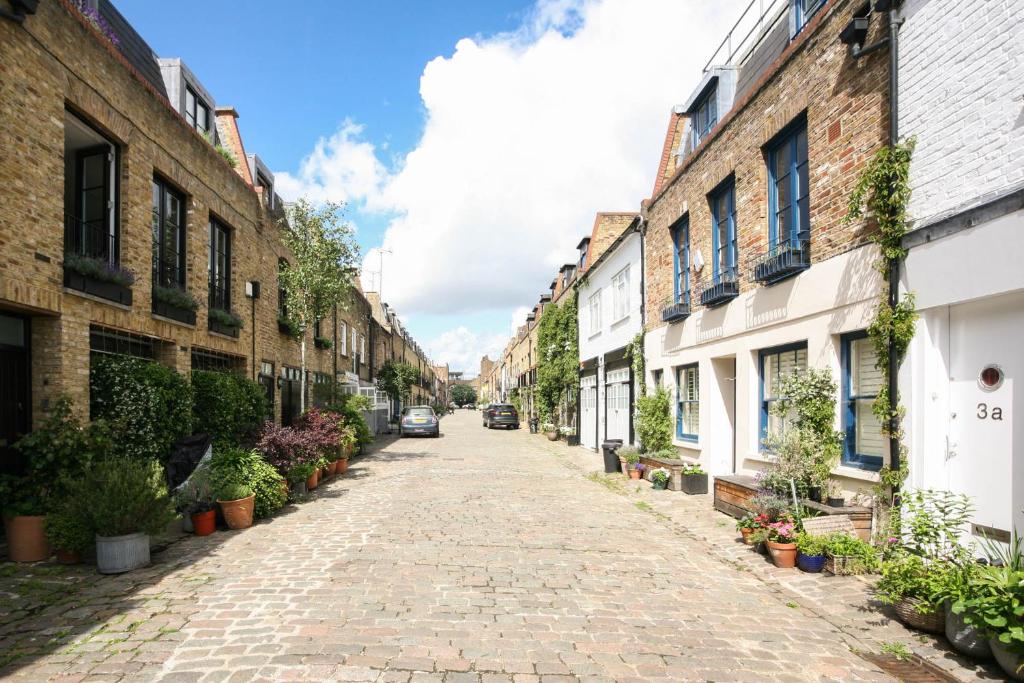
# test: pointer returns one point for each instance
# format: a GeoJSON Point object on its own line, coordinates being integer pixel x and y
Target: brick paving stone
{"type": "Point", "coordinates": [483, 556]}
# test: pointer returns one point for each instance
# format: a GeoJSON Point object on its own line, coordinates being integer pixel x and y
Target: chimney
{"type": "Point", "coordinates": [227, 128]}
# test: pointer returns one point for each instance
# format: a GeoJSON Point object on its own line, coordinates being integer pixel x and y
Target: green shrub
{"type": "Point", "coordinates": [812, 546]}
{"type": "Point", "coordinates": [233, 490]}
{"type": "Point", "coordinates": [654, 421]}
{"type": "Point", "coordinates": [119, 496]}
{"type": "Point", "coordinates": [68, 531]}
{"type": "Point", "coordinates": [147, 405]}
{"type": "Point", "coordinates": [228, 407]}
{"type": "Point", "coordinates": [350, 407]}
{"type": "Point", "coordinates": [230, 466]}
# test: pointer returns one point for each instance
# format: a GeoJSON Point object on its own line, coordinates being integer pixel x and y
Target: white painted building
{"type": "Point", "coordinates": [962, 97]}
{"type": "Point", "coordinates": [610, 310]}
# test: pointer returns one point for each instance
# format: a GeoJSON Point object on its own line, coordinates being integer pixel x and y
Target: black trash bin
{"type": "Point", "coordinates": [534, 425]}
{"type": "Point", "coordinates": [611, 458]}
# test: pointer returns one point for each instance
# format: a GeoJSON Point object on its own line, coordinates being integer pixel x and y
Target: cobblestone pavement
{"type": "Point", "coordinates": [475, 557]}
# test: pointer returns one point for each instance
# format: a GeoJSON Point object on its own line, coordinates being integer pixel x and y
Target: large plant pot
{"type": "Point", "coordinates": [660, 485]}
{"type": "Point", "coordinates": [298, 488]}
{"type": "Point", "coordinates": [1009, 661]}
{"type": "Point", "coordinates": [695, 484]}
{"type": "Point", "coordinates": [67, 556]}
{"type": "Point", "coordinates": [343, 466]}
{"type": "Point", "coordinates": [812, 564]}
{"type": "Point", "coordinates": [634, 473]}
{"type": "Point", "coordinates": [332, 468]}
{"type": "Point", "coordinates": [931, 622]}
{"type": "Point", "coordinates": [313, 481]}
{"type": "Point", "coordinates": [965, 637]}
{"type": "Point", "coordinates": [238, 513]}
{"type": "Point", "coordinates": [552, 436]}
{"type": "Point", "coordinates": [204, 523]}
{"type": "Point", "coordinates": [26, 538]}
{"type": "Point", "coordinates": [782, 554]}
{"type": "Point", "coordinates": [748, 536]}
{"type": "Point", "coordinates": [119, 554]}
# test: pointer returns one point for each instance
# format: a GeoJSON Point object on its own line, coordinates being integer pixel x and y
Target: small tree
{"type": "Point", "coordinates": [463, 394]}
{"type": "Point", "coordinates": [321, 274]}
{"type": "Point", "coordinates": [654, 421]}
{"type": "Point", "coordinates": [396, 379]}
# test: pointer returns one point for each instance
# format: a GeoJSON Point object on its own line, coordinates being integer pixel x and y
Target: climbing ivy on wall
{"type": "Point", "coordinates": [558, 359]}
{"type": "Point", "coordinates": [635, 354]}
{"type": "Point", "coordinates": [883, 189]}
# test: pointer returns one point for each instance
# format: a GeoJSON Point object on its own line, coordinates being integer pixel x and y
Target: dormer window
{"type": "Point", "coordinates": [197, 112]}
{"type": "Point", "coordinates": [266, 188]}
{"type": "Point", "coordinates": [803, 10]}
{"type": "Point", "coordinates": [705, 116]}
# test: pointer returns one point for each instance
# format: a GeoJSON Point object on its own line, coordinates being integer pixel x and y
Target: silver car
{"type": "Point", "coordinates": [419, 421]}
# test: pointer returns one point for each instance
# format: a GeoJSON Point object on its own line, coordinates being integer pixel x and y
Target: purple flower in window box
{"type": "Point", "coordinates": [93, 16]}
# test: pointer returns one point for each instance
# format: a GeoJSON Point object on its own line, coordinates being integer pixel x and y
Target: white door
{"type": "Point", "coordinates": [984, 457]}
{"type": "Point", "coordinates": [617, 403]}
{"type": "Point", "coordinates": [588, 411]}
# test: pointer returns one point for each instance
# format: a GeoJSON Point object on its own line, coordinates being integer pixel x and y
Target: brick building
{"type": "Point", "coordinates": [750, 269]}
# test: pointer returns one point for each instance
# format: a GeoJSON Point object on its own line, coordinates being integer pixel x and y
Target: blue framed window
{"type": "Point", "coordinates": [705, 116]}
{"type": "Point", "coordinates": [681, 261]}
{"type": "Point", "coordinates": [723, 231]}
{"type": "Point", "coordinates": [803, 10]}
{"type": "Point", "coordinates": [788, 191]}
{"type": "Point", "coordinates": [864, 445]}
{"type": "Point", "coordinates": [776, 363]}
{"type": "Point", "coordinates": [688, 402]}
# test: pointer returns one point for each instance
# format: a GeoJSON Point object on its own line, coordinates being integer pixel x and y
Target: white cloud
{"type": "Point", "coordinates": [341, 168]}
{"type": "Point", "coordinates": [462, 348]}
{"type": "Point", "coordinates": [529, 134]}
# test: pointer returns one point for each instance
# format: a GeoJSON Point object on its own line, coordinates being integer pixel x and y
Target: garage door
{"type": "Point", "coordinates": [588, 411]}
{"type": "Point", "coordinates": [617, 403]}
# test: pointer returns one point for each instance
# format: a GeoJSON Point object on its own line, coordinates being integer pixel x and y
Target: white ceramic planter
{"type": "Point", "coordinates": [119, 554]}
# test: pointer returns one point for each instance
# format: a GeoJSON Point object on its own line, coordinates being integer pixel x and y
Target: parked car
{"type": "Point", "coordinates": [470, 406]}
{"type": "Point", "coordinates": [419, 421]}
{"type": "Point", "coordinates": [501, 415]}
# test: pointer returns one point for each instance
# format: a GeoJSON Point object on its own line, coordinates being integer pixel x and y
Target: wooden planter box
{"type": "Point", "coordinates": [695, 484]}
{"type": "Point", "coordinates": [182, 315]}
{"type": "Point", "coordinates": [226, 330]}
{"type": "Point", "coordinates": [674, 467]}
{"type": "Point", "coordinates": [110, 291]}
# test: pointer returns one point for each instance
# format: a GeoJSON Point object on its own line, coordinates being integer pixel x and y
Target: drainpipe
{"type": "Point", "coordinates": [894, 265]}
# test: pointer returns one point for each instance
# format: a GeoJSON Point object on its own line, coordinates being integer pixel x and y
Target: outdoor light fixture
{"type": "Point", "coordinates": [252, 289]}
{"type": "Point", "coordinates": [855, 32]}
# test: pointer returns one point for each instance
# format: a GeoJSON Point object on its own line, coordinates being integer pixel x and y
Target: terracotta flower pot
{"type": "Point", "coordinates": [552, 436]}
{"type": "Point", "coordinates": [634, 473]}
{"type": "Point", "coordinates": [748, 536]}
{"type": "Point", "coordinates": [313, 481]}
{"type": "Point", "coordinates": [343, 466]}
{"type": "Point", "coordinates": [349, 450]}
{"type": "Point", "coordinates": [332, 468]}
{"type": "Point", "coordinates": [783, 554]}
{"type": "Point", "coordinates": [204, 523]}
{"type": "Point", "coordinates": [26, 538]}
{"type": "Point", "coordinates": [238, 513]}
{"type": "Point", "coordinates": [67, 557]}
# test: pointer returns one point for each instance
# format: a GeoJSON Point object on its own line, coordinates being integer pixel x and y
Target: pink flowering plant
{"type": "Point", "coordinates": [785, 529]}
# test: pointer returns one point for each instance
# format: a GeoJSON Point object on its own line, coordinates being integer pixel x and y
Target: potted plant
{"type": "Point", "coordinates": [810, 552]}
{"type": "Point", "coordinates": [347, 439]}
{"type": "Point", "coordinates": [237, 502]}
{"type": "Point", "coordinates": [780, 538]}
{"type": "Point", "coordinates": [203, 515]}
{"type": "Point", "coordinates": [298, 477]}
{"type": "Point", "coordinates": [124, 501]}
{"type": "Point", "coordinates": [694, 479]}
{"type": "Point", "coordinates": [625, 453]}
{"type": "Point", "coordinates": [195, 502]}
{"type": "Point", "coordinates": [69, 536]}
{"type": "Point", "coordinates": [962, 588]}
{"type": "Point", "coordinates": [568, 434]}
{"type": "Point", "coordinates": [635, 469]}
{"type": "Point", "coordinates": [993, 603]}
{"type": "Point", "coordinates": [748, 525]}
{"type": "Point", "coordinates": [550, 431]}
{"type": "Point", "coordinates": [848, 555]}
{"type": "Point", "coordinates": [660, 478]}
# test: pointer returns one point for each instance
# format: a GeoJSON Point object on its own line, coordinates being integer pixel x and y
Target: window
{"type": "Point", "coordinates": [583, 258]}
{"type": "Point", "coordinates": [282, 293]}
{"type": "Point", "coordinates": [620, 294]}
{"type": "Point", "coordinates": [688, 402]}
{"type": "Point", "coordinates": [681, 261]}
{"type": "Point", "coordinates": [343, 337]}
{"type": "Point", "coordinates": [705, 116]}
{"type": "Point", "coordinates": [267, 381]}
{"type": "Point", "coordinates": [776, 364]}
{"type": "Point", "coordinates": [803, 10]}
{"type": "Point", "coordinates": [197, 112]}
{"type": "Point", "coordinates": [864, 445]}
{"type": "Point", "coordinates": [90, 192]}
{"type": "Point", "coordinates": [595, 312]}
{"type": "Point", "coordinates": [723, 232]}
{"type": "Point", "coordinates": [354, 341]}
{"type": "Point", "coordinates": [168, 236]}
{"type": "Point", "coordinates": [362, 348]}
{"type": "Point", "coordinates": [220, 266]}
{"type": "Point", "coordinates": [788, 195]}
{"type": "Point", "coordinates": [659, 378]}
{"type": "Point", "coordinates": [106, 341]}
{"type": "Point", "coordinates": [266, 190]}
{"type": "Point", "coordinates": [213, 361]}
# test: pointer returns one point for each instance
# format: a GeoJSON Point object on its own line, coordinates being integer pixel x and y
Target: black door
{"type": "Point", "coordinates": [15, 396]}
{"type": "Point", "coordinates": [290, 387]}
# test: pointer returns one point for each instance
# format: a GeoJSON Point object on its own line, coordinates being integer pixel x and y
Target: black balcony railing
{"type": "Point", "coordinates": [675, 309]}
{"type": "Point", "coordinates": [782, 261]}
{"type": "Point", "coordinates": [723, 288]}
{"type": "Point", "coordinates": [92, 239]}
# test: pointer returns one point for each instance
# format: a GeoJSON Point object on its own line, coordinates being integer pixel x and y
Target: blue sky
{"type": "Point", "coordinates": [473, 140]}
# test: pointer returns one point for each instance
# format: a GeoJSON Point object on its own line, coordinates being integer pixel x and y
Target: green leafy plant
{"type": "Point", "coordinates": [290, 328]}
{"type": "Point", "coordinates": [323, 342]}
{"type": "Point", "coordinates": [396, 378]}
{"type": "Point", "coordinates": [557, 360]}
{"type": "Point", "coordinates": [175, 296]}
{"type": "Point", "coordinates": [692, 468]}
{"type": "Point", "coordinates": [67, 531]}
{"type": "Point", "coordinates": [654, 420]}
{"type": "Point", "coordinates": [463, 394]}
{"type": "Point", "coordinates": [226, 406]}
{"type": "Point", "coordinates": [233, 490]}
{"type": "Point", "coordinates": [99, 269]}
{"type": "Point", "coordinates": [749, 521]}
{"type": "Point", "coordinates": [635, 354]}
{"type": "Point", "coordinates": [862, 556]}
{"type": "Point", "coordinates": [225, 318]}
{"type": "Point", "coordinates": [301, 472]}
{"type": "Point", "coordinates": [631, 458]}
{"type": "Point", "coordinates": [812, 546]}
{"type": "Point", "coordinates": [660, 476]}
{"type": "Point", "coordinates": [248, 468]}
{"type": "Point", "coordinates": [118, 496]}
{"type": "Point", "coordinates": [897, 650]}
{"type": "Point", "coordinates": [147, 405]}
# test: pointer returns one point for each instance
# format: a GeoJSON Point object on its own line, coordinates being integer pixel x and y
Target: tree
{"type": "Point", "coordinates": [320, 275]}
{"type": "Point", "coordinates": [396, 379]}
{"type": "Point", "coordinates": [463, 394]}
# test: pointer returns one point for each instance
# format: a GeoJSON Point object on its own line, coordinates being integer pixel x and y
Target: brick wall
{"type": "Point", "coordinates": [847, 118]}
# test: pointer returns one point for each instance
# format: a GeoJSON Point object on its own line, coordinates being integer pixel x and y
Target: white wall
{"type": "Point", "coordinates": [962, 95]}
{"type": "Point", "coordinates": [613, 334]}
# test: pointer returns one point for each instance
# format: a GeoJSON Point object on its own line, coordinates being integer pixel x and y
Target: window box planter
{"type": "Point", "coordinates": [221, 328]}
{"type": "Point", "coordinates": [723, 289]}
{"type": "Point", "coordinates": [322, 343]}
{"type": "Point", "coordinates": [111, 291]}
{"type": "Point", "coordinates": [695, 484]}
{"type": "Point", "coordinates": [182, 315]}
{"type": "Point", "coordinates": [674, 312]}
{"type": "Point", "coordinates": [224, 322]}
{"type": "Point", "coordinates": [782, 262]}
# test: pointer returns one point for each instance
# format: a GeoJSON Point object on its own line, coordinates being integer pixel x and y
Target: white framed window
{"type": "Point", "coordinates": [355, 341]}
{"type": "Point", "coordinates": [343, 338]}
{"type": "Point", "coordinates": [362, 348]}
{"type": "Point", "coordinates": [620, 294]}
{"type": "Point", "coordinates": [688, 400]}
{"type": "Point", "coordinates": [595, 312]}
{"type": "Point", "coordinates": [776, 364]}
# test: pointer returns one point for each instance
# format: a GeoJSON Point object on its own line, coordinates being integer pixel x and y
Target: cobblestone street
{"type": "Point", "coordinates": [477, 556]}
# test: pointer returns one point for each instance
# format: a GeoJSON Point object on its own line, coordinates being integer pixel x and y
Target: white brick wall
{"type": "Point", "coordinates": [962, 95]}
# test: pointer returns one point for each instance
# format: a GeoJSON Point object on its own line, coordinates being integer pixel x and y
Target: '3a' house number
{"type": "Point", "coordinates": [985, 412]}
